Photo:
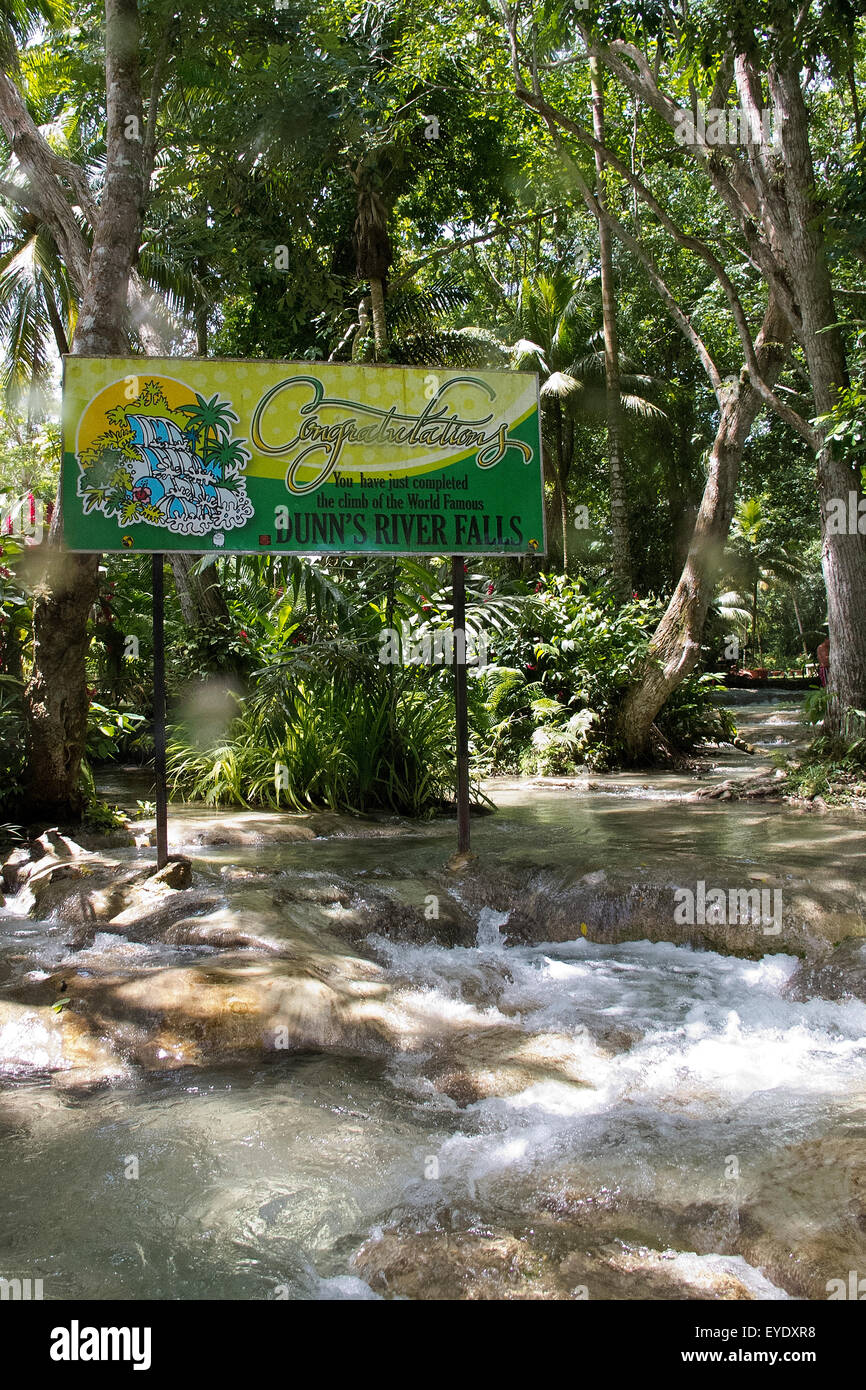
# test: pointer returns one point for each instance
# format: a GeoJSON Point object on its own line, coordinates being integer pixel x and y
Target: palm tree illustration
{"type": "Point", "coordinates": [231, 456]}
{"type": "Point", "coordinates": [212, 420]}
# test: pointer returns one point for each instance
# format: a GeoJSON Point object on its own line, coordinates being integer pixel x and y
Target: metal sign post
{"type": "Point", "coordinates": [458, 625]}
{"type": "Point", "coordinates": [159, 711]}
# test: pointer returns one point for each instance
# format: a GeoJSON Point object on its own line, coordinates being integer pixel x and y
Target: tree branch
{"type": "Point", "coordinates": [39, 163]}
{"type": "Point", "coordinates": [552, 117]}
{"type": "Point", "coordinates": [149, 151]}
{"type": "Point", "coordinates": [500, 230]}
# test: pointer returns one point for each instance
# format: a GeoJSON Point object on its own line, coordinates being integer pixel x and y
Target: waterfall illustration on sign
{"type": "Point", "coordinates": [173, 465]}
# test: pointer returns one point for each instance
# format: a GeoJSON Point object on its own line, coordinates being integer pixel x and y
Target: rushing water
{"type": "Point", "coordinates": [619, 1120]}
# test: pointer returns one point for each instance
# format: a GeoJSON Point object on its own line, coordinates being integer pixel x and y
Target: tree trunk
{"type": "Point", "coordinates": [844, 556]}
{"type": "Point", "coordinates": [200, 596]}
{"type": "Point", "coordinates": [560, 480]}
{"type": "Point", "coordinates": [57, 691]}
{"type": "Point", "coordinates": [377, 309]}
{"type": "Point", "coordinates": [201, 333]}
{"type": "Point", "coordinates": [619, 530]}
{"type": "Point", "coordinates": [799, 624]}
{"type": "Point", "coordinates": [676, 642]}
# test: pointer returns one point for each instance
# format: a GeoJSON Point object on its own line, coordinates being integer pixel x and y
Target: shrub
{"type": "Point", "coordinates": [553, 696]}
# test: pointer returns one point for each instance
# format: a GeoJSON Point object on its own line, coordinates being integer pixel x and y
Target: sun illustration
{"type": "Point", "coordinates": [151, 450]}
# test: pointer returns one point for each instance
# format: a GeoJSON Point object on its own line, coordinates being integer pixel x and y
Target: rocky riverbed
{"type": "Point", "coordinates": [343, 1063]}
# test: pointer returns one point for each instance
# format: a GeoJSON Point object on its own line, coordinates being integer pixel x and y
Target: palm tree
{"type": "Point", "coordinates": [37, 305]}
{"type": "Point", "coordinates": [755, 562]}
{"type": "Point", "coordinates": [564, 344]}
{"type": "Point", "coordinates": [372, 243]}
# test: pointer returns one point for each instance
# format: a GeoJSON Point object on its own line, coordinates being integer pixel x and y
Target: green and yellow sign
{"type": "Point", "coordinates": [165, 454]}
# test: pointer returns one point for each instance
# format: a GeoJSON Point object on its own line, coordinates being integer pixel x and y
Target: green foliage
{"type": "Point", "coordinates": [554, 694]}
{"type": "Point", "coordinates": [336, 744]}
{"type": "Point", "coordinates": [111, 733]}
{"type": "Point", "coordinates": [12, 744]}
{"type": "Point", "coordinates": [845, 425]}
{"type": "Point", "coordinates": [829, 769]}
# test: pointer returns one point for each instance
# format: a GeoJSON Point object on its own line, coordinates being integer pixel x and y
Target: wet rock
{"type": "Point", "coordinates": [437, 1265]}
{"type": "Point", "coordinates": [241, 831]}
{"type": "Point", "coordinates": [798, 1221]}
{"type": "Point", "coordinates": [151, 909]}
{"type": "Point", "coordinates": [548, 905]}
{"type": "Point", "coordinates": [177, 873]}
{"type": "Point", "coordinates": [40, 1039]}
{"type": "Point", "coordinates": [648, 1274]}
{"type": "Point", "coordinates": [841, 975]}
{"type": "Point", "coordinates": [484, 1264]}
{"type": "Point", "coordinates": [434, 916]}
{"type": "Point", "coordinates": [331, 825]}
{"type": "Point", "coordinates": [805, 1221]}
{"type": "Point", "coordinates": [503, 1061]}
{"type": "Point", "coordinates": [298, 891]}
{"type": "Point", "coordinates": [119, 837]}
{"type": "Point", "coordinates": [234, 1006]}
{"type": "Point", "coordinates": [17, 866]}
{"type": "Point", "coordinates": [91, 892]}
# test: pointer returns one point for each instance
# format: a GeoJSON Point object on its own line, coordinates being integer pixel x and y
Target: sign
{"type": "Point", "coordinates": [163, 454]}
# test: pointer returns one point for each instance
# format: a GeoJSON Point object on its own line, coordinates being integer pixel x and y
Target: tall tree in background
{"type": "Point", "coordinates": [759, 65]}
{"type": "Point", "coordinates": [763, 68]}
{"type": "Point", "coordinates": [619, 533]}
{"type": "Point", "coordinates": [58, 191]}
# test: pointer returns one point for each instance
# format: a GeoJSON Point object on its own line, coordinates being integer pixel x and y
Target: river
{"type": "Point", "coordinates": [567, 1118]}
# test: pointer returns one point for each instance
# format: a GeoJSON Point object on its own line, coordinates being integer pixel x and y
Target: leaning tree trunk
{"type": "Point", "coordinates": [57, 691]}
{"type": "Point", "coordinates": [619, 529]}
{"type": "Point", "coordinates": [676, 642]}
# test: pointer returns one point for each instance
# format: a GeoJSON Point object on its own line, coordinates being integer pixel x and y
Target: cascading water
{"type": "Point", "coordinates": [553, 1119]}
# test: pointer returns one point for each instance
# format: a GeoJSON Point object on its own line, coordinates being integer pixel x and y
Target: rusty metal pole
{"type": "Point", "coordinates": [159, 712]}
{"type": "Point", "coordinates": [458, 634]}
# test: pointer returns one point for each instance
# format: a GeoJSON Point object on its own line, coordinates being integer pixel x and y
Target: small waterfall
{"type": "Point", "coordinates": [489, 923]}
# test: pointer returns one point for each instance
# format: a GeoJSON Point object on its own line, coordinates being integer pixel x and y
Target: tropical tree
{"type": "Point", "coordinates": [756, 561]}
{"type": "Point", "coordinates": [558, 316]}
{"type": "Point", "coordinates": [59, 194]}
{"type": "Point", "coordinates": [37, 306]}
{"type": "Point", "coordinates": [766, 63]}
